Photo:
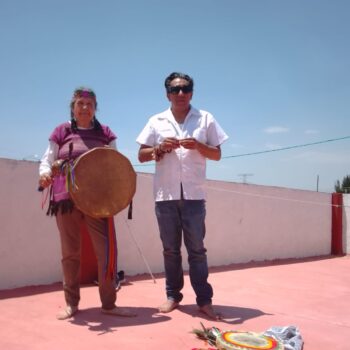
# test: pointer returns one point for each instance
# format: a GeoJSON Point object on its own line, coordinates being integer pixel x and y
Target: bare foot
{"type": "Point", "coordinates": [209, 311]}
{"type": "Point", "coordinates": [67, 312]}
{"type": "Point", "coordinates": [168, 306]}
{"type": "Point", "coordinates": [119, 311]}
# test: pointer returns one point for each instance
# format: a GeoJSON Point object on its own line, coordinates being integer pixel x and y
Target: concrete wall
{"type": "Point", "coordinates": [244, 223]}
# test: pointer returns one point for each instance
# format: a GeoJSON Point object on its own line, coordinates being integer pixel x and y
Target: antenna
{"type": "Point", "coordinates": [244, 177]}
{"type": "Point", "coordinates": [32, 157]}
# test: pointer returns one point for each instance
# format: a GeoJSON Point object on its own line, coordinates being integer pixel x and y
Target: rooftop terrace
{"type": "Point", "coordinates": [312, 294]}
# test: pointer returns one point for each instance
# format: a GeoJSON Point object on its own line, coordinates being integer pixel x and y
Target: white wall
{"type": "Point", "coordinates": [250, 222]}
{"type": "Point", "coordinates": [29, 246]}
{"type": "Point", "coordinates": [244, 223]}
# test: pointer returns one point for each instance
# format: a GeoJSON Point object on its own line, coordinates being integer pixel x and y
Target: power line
{"type": "Point", "coordinates": [285, 148]}
{"type": "Point", "coordinates": [268, 151]}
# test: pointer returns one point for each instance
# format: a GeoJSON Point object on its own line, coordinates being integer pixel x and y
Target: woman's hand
{"type": "Point", "coordinates": [45, 180]}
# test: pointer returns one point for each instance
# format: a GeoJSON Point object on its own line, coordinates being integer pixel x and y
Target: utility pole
{"type": "Point", "coordinates": [244, 177]}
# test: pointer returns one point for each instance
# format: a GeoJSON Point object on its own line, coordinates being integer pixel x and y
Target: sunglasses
{"type": "Point", "coordinates": [186, 89]}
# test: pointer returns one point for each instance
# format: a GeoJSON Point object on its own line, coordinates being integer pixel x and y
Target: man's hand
{"type": "Point", "coordinates": [169, 144]}
{"type": "Point", "coordinates": [164, 147]}
{"type": "Point", "coordinates": [189, 143]}
{"type": "Point", "coordinates": [210, 152]}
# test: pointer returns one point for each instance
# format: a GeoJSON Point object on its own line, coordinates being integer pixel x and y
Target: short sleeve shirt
{"type": "Point", "coordinates": [181, 166]}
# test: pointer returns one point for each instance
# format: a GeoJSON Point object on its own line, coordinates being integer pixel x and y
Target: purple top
{"type": "Point", "coordinates": [83, 140]}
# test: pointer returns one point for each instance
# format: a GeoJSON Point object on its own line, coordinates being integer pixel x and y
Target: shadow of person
{"type": "Point", "coordinates": [96, 321]}
{"type": "Point", "coordinates": [229, 314]}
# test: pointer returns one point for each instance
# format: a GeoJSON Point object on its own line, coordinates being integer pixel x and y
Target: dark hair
{"type": "Point", "coordinates": [83, 92]}
{"type": "Point", "coordinates": [175, 75]}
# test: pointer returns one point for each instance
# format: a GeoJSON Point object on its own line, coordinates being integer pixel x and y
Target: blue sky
{"type": "Point", "coordinates": [274, 73]}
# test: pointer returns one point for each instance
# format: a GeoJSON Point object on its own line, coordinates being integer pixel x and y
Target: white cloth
{"type": "Point", "coordinates": [288, 335]}
{"type": "Point", "coordinates": [181, 165]}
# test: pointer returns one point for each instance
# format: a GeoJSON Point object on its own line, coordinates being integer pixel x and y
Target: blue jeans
{"type": "Point", "coordinates": [188, 217]}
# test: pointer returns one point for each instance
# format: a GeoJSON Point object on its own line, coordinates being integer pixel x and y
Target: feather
{"type": "Point", "coordinates": [207, 334]}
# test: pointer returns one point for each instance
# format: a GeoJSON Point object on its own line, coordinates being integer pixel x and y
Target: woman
{"type": "Point", "coordinates": [67, 142]}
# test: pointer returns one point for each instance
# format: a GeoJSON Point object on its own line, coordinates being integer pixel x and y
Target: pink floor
{"type": "Point", "coordinates": [312, 294]}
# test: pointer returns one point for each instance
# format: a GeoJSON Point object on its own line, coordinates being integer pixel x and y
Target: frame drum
{"type": "Point", "coordinates": [104, 182]}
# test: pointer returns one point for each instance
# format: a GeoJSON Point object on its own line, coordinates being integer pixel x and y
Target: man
{"type": "Point", "coordinates": [180, 140]}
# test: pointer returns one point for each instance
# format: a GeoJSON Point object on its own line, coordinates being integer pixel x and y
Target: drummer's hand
{"type": "Point", "coordinates": [45, 180]}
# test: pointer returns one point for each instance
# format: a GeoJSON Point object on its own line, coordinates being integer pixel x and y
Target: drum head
{"type": "Point", "coordinates": [231, 340]}
{"type": "Point", "coordinates": [104, 182]}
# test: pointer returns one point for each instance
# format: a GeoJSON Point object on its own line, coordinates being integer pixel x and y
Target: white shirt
{"type": "Point", "coordinates": [181, 166]}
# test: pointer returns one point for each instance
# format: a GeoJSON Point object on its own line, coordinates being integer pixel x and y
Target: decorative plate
{"type": "Point", "coordinates": [236, 340]}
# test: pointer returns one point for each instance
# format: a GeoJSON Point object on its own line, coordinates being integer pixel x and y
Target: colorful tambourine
{"type": "Point", "coordinates": [236, 340]}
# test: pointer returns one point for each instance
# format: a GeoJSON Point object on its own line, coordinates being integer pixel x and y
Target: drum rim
{"type": "Point", "coordinates": [132, 183]}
